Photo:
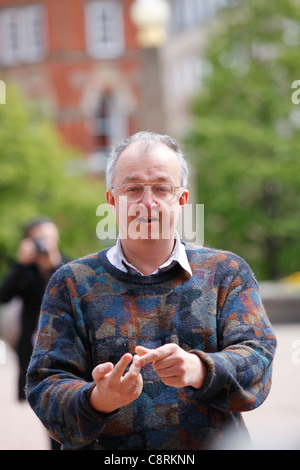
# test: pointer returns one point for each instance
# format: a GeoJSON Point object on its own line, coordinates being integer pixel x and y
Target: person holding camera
{"type": "Point", "coordinates": [38, 257]}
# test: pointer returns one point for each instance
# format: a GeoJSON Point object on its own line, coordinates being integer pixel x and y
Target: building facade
{"type": "Point", "coordinates": [81, 61]}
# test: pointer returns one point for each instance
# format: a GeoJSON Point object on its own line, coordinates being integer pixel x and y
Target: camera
{"type": "Point", "coordinates": [40, 247]}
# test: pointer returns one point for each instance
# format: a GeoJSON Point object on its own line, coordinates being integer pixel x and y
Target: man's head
{"type": "Point", "coordinates": [147, 140]}
{"type": "Point", "coordinates": [40, 243]}
{"type": "Point", "coordinates": [146, 185]}
{"type": "Point", "coordinates": [43, 231]}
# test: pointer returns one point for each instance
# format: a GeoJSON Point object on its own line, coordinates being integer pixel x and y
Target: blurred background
{"type": "Point", "coordinates": [221, 77]}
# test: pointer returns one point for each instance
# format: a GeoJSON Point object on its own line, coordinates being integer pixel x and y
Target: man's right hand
{"type": "Point", "coordinates": [113, 389]}
{"type": "Point", "coordinates": [27, 253]}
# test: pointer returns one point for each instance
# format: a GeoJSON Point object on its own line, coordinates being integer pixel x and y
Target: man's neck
{"type": "Point", "coordinates": [147, 255]}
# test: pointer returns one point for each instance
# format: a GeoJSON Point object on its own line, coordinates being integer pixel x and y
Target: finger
{"type": "Point", "coordinates": [150, 355]}
{"type": "Point", "coordinates": [133, 375]}
{"type": "Point", "coordinates": [120, 367]}
{"type": "Point", "coordinates": [166, 370]}
{"type": "Point", "coordinates": [101, 370]}
{"type": "Point", "coordinates": [134, 368]}
{"type": "Point", "coordinates": [169, 361]}
{"type": "Point", "coordinates": [144, 356]}
{"type": "Point", "coordinates": [141, 350]}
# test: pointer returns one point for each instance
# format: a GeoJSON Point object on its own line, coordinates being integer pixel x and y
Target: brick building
{"type": "Point", "coordinates": [80, 60]}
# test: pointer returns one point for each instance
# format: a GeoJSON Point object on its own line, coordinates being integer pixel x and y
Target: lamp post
{"type": "Point", "coordinates": [151, 18]}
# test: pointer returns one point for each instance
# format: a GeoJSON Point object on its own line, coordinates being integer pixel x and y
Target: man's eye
{"type": "Point", "coordinates": [161, 189]}
{"type": "Point", "coordinates": [132, 189]}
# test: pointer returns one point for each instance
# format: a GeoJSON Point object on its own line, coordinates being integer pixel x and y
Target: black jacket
{"type": "Point", "coordinates": [27, 283]}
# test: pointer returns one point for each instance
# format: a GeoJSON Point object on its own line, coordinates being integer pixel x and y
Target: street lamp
{"type": "Point", "coordinates": [151, 18]}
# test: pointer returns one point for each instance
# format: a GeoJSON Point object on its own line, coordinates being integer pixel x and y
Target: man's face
{"type": "Point", "coordinates": [153, 216]}
{"type": "Point", "coordinates": [47, 235]}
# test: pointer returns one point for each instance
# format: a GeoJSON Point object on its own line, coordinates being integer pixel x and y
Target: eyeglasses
{"type": "Point", "coordinates": [160, 191]}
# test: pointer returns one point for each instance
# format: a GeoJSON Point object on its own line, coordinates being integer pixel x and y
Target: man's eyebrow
{"type": "Point", "coordinates": [128, 179]}
{"type": "Point", "coordinates": [136, 179]}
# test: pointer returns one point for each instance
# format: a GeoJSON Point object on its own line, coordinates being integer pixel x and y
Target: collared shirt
{"type": "Point", "coordinates": [116, 256]}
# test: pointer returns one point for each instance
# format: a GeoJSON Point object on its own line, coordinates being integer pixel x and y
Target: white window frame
{"type": "Point", "coordinates": [27, 43]}
{"type": "Point", "coordinates": [104, 22]}
{"type": "Point", "coordinates": [190, 13]}
{"type": "Point", "coordinates": [114, 125]}
{"type": "Point", "coordinates": [35, 30]}
{"type": "Point", "coordinates": [9, 40]}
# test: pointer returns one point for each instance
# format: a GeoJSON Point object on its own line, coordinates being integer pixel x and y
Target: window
{"type": "Point", "coordinates": [189, 13]}
{"type": "Point", "coordinates": [9, 36]}
{"type": "Point", "coordinates": [34, 29]}
{"type": "Point", "coordinates": [186, 77]}
{"type": "Point", "coordinates": [110, 126]}
{"type": "Point", "coordinates": [110, 121]}
{"type": "Point", "coordinates": [104, 29]}
{"type": "Point", "coordinates": [104, 121]}
{"type": "Point", "coordinates": [22, 34]}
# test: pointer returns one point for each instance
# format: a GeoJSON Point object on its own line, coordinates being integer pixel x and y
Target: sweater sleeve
{"type": "Point", "coordinates": [239, 373]}
{"type": "Point", "coordinates": [59, 379]}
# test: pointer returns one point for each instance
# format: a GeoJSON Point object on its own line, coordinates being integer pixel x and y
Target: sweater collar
{"type": "Point", "coordinates": [178, 256]}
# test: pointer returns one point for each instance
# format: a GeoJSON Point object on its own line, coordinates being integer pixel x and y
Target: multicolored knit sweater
{"type": "Point", "coordinates": [93, 313]}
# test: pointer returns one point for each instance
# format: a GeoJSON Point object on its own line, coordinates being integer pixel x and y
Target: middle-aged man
{"type": "Point", "coordinates": [153, 343]}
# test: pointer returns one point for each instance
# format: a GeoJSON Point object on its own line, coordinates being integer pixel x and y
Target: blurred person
{"type": "Point", "coordinates": [38, 257]}
{"type": "Point", "coordinates": [154, 343]}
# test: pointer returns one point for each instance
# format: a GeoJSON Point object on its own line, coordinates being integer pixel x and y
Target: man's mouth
{"type": "Point", "coordinates": [147, 220]}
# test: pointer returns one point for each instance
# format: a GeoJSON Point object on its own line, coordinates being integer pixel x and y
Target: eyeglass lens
{"type": "Point", "coordinates": [135, 191]}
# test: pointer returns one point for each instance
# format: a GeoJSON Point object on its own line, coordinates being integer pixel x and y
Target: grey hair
{"type": "Point", "coordinates": [149, 138]}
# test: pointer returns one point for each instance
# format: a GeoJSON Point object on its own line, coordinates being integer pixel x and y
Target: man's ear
{"type": "Point", "coordinates": [110, 197]}
{"type": "Point", "coordinates": [183, 199]}
{"type": "Point", "coordinates": [111, 200]}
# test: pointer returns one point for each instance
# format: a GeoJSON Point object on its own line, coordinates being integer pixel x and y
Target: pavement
{"type": "Point", "coordinates": [20, 429]}
{"type": "Point", "coordinates": [275, 425]}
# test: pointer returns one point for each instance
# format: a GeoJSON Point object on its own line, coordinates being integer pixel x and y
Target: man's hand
{"type": "Point", "coordinates": [173, 365]}
{"type": "Point", "coordinates": [113, 389]}
{"type": "Point", "coordinates": [27, 253]}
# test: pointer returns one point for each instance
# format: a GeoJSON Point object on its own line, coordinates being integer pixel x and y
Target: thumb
{"type": "Point", "coordinates": [101, 370]}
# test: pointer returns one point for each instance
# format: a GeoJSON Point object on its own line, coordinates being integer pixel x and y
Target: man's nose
{"type": "Point", "coordinates": [147, 198]}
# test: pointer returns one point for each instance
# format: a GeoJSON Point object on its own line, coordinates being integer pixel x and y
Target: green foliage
{"type": "Point", "coordinates": [245, 138]}
{"type": "Point", "coordinates": [35, 179]}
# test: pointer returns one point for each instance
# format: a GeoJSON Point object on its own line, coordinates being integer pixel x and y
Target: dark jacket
{"type": "Point", "coordinates": [27, 283]}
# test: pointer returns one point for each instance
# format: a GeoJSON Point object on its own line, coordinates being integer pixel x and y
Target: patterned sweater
{"type": "Point", "coordinates": [93, 313]}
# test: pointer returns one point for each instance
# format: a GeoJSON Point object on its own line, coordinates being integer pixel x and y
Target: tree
{"type": "Point", "coordinates": [246, 133]}
{"type": "Point", "coordinates": [35, 179]}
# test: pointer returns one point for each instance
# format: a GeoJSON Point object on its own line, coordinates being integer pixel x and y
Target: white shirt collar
{"type": "Point", "coordinates": [116, 256]}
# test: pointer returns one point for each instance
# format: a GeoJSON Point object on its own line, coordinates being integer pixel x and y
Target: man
{"type": "Point", "coordinates": [38, 257]}
{"type": "Point", "coordinates": [152, 344]}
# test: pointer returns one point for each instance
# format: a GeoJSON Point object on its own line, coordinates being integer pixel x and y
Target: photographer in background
{"type": "Point", "coordinates": [38, 257]}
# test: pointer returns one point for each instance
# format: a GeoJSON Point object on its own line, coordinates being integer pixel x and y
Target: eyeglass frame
{"type": "Point", "coordinates": [145, 187]}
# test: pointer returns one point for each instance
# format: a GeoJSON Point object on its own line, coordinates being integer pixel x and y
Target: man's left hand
{"type": "Point", "coordinates": [175, 367]}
